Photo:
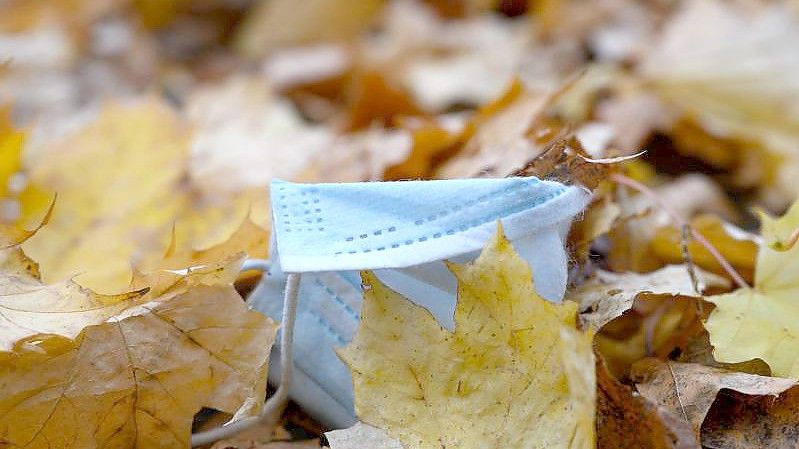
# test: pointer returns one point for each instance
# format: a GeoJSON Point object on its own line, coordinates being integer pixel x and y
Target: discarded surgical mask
{"type": "Point", "coordinates": [403, 231]}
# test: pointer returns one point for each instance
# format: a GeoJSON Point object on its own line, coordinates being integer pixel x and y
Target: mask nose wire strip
{"type": "Point", "coordinates": [273, 408]}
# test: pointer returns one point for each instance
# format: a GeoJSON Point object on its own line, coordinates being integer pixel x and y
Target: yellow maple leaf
{"type": "Point", "coordinates": [78, 369]}
{"type": "Point", "coordinates": [123, 191]}
{"type": "Point", "coordinates": [515, 373]}
{"type": "Point", "coordinates": [763, 321]}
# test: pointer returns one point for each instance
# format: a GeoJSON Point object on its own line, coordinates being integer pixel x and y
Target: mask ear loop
{"type": "Point", "coordinates": [273, 408]}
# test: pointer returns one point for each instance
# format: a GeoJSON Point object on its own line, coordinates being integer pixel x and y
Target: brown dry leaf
{"type": "Point", "coordinates": [740, 421]}
{"type": "Point", "coordinates": [430, 141]}
{"type": "Point", "coordinates": [374, 100]}
{"type": "Point", "coordinates": [627, 420]}
{"type": "Point", "coordinates": [565, 160]}
{"type": "Point", "coordinates": [737, 246]}
{"type": "Point", "coordinates": [281, 23]}
{"type": "Point", "coordinates": [597, 220]}
{"type": "Point", "coordinates": [87, 370]}
{"type": "Point", "coordinates": [656, 325]}
{"type": "Point", "coordinates": [689, 390]}
{"type": "Point", "coordinates": [498, 140]}
{"type": "Point", "coordinates": [608, 295]}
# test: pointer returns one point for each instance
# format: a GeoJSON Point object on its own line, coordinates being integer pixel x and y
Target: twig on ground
{"type": "Point", "coordinates": [680, 222]}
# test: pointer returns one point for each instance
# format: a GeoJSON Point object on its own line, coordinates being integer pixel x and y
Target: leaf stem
{"type": "Point", "coordinates": [680, 222]}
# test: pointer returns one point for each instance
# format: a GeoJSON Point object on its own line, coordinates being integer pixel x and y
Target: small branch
{"type": "Point", "coordinates": [680, 222]}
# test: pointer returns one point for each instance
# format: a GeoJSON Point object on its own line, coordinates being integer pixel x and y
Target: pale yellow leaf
{"type": "Point", "coordinates": [763, 321]}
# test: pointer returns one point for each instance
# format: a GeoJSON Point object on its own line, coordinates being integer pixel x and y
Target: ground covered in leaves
{"type": "Point", "coordinates": [138, 139]}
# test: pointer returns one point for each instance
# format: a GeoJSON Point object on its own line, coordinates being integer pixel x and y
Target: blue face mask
{"type": "Point", "coordinates": [403, 231]}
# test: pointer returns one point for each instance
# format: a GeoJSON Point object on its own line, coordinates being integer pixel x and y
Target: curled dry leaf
{"type": "Point", "coordinates": [689, 390]}
{"type": "Point", "coordinates": [655, 325]}
{"type": "Point", "coordinates": [608, 295]}
{"type": "Point", "coordinates": [86, 370]}
{"type": "Point", "coordinates": [763, 321]}
{"type": "Point", "coordinates": [740, 421]}
{"type": "Point", "coordinates": [515, 371]}
{"type": "Point", "coordinates": [628, 420]}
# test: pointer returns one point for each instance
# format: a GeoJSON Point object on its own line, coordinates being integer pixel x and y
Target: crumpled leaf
{"type": "Point", "coordinates": [689, 390]}
{"type": "Point", "coordinates": [85, 370]}
{"type": "Point", "coordinates": [763, 321]}
{"type": "Point", "coordinates": [628, 420]}
{"type": "Point", "coordinates": [514, 373]}
{"type": "Point", "coordinates": [607, 295]}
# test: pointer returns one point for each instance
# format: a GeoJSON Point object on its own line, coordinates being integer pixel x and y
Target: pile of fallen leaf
{"type": "Point", "coordinates": [138, 139]}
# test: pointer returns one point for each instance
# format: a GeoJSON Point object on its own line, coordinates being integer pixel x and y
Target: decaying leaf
{"type": "Point", "coordinates": [514, 373]}
{"type": "Point", "coordinates": [607, 295]}
{"type": "Point", "coordinates": [689, 390]}
{"type": "Point", "coordinates": [627, 420]}
{"type": "Point", "coordinates": [739, 421]}
{"type": "Point", "coordinates": [85, 370]}
{"type": "Point", "coordinates": [763, 321]}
